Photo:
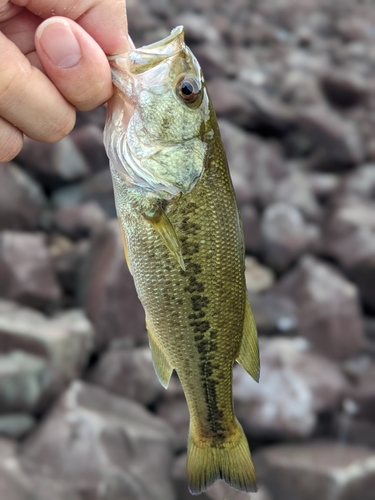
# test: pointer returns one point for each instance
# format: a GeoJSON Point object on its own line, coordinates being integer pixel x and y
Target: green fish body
{"type": "Point", "coordinates": [184, 246]}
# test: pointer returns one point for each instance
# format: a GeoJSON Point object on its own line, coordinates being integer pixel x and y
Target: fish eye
{"type": "Point", "coordinates": [188, 88]}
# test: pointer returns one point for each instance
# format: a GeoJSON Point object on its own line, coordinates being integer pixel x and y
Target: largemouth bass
{"type": "Point", "coordinates": [184, 246]}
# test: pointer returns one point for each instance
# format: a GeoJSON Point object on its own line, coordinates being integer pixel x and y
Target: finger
{"type": "Point", "coordinates": [29, 100]}
{"type": "Point", "coordinates": [74, 62]}
{"type": "Point", "coordinates": [11, 140]}
{"type": "Point", "coordinates": [20, 29]}
{"type": "Point", "coordinates": [104, 20]}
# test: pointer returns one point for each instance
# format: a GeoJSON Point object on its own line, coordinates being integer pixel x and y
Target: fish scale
{"type": "Point", "coordinates": [186, 254]}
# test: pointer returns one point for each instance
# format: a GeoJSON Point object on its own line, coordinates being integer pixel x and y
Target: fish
{"type": "Point", "coordinates": [184, 246]}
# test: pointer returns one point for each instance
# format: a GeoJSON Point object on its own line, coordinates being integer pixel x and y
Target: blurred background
{"type": "Point", "coordinates": [82, 415]}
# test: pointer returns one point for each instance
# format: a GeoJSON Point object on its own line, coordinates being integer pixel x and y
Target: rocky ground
{"type": "Point", "coordinates": [82, 415]}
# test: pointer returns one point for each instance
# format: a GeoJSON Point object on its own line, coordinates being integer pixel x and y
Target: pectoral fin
{"type": "Point", "coordinates": [165, 230]}
{"type": "Point", "coordinates": [162, 366]}
{"type": "Point", "coordinates": [248, 357]}
{"type": "Point", "coordinates": [125, 244]}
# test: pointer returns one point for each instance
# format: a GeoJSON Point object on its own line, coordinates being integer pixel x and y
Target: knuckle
{"type": "Point", "coordinates": [11, 141]}
{"type": "Point", "coordinates": [93, 96]}
{"type": "Point", "coordinates": [60, 128]}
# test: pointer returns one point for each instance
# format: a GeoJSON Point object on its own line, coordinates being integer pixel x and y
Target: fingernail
{"type": "Point", "coordinates": [59, 43]}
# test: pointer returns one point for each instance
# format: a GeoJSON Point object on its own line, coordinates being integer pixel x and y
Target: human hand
{"type": "Point", "coordinates": [50, 66]}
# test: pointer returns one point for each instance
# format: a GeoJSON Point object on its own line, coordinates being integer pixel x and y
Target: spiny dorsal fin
{"type": "Point", "coordinates": [248, 357]}
{"type": "Point", "coordinates": [162, 366]}
{"type": "Point", "coordinates": [165, 230]}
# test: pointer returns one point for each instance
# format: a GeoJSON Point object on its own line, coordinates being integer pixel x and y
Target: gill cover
{"type": "Point", "coordinates": [157, 133]}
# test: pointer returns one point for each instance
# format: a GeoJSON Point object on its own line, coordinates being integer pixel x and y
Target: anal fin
{"type": "Point", "coordinates": [248, 356]}
{"type": "Point", "coordinates": [165, 230]}
{"type": "Point", "coordinates": [162, 366]}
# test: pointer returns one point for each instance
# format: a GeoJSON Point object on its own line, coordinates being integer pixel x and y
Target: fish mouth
{"type": "Point", "coordinates": [137, 61]}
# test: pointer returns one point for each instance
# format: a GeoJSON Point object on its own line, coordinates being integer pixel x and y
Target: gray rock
{"type": "Point", "coordinates": [14, 484]}
{"type": "Point", "coordinates": [128, 373]}
{"type": "Point", "coordinates": [196, 28]}
{"type": "Point", "coordinates": [55, 352]}
{"type": "Point", "coordinates": [102, 447]}
{"type": "Point", "coordinates": [301, 89]}
{"type": "Point", "coordinates": [175, 412]}
{"type": "Point", "coordinates": [321, 470]}
{"type": "Point", "coordinates": [285, 235]}
{"type": "Point", "coordinates": [360, 183]}
{"type": "Point", "coordinates": [328, 308]}
{"type": "Point", "coordinates": [22, 199]}
{"type": "Point", "coordinates": [343, 88]}
{"type": "Point", "coordinates": [16, 425]}
{"type": "Point", "coordinates": [214, 60]}
{"type": "Point", "coordinates": [228, 104]}
{"type": "Point", "coordinates": [108, 293]}
{"type": "Point", "coordinates": [26, 273]}
{"type": "Point", "coordinates": [289, 372]}
{"type": "Point", "coordinates": [274, 314]}
{"type": "Point", "coordinates": [53, 164]}
{"type": "Point", "coordinates": [324, 186]}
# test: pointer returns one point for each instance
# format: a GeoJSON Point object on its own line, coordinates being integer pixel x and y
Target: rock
{"type": "Point", "coordinates": [53, 164]}
{"type": "Point", "coordinates": [301, 89]}
{"type": "Point", "coordinates": [328, 309]}
{"type": "Point", "coordinates": [336, 141]}
{"type": "Point", "coordinates": [67, 260]}
{"type": "Point", "coordinates": [228, 104]}
{"type": "Point", "coordinates": [108, 293]}
{"type": "Point", "coordinates": [22, 199]}
{"type": "Point", "coordinates": [175, 412]}
{"type": "Point", "coordinates": [214, 60]}
{"type": "Point", "coordinates": [128, 373]}
{"type": "Point", "coordinates": [14, 484]}
{"type": "Point", "coordinates": [343, 88]}
{"type": "Point", "coordinates": [355, 430]}
{"type": "Point", "coordinates": [79, 221]}
{"type": "Point", "coordinates": [218, 491]}
{"type": "Point", "coordinates": [255, 168]}
{"type": "Point", "coordinates": [285, 235]}
{"type": "Point", "coordinates": [324, 186]}
{"type": "Point", "coordinates": [16, 425]}
{"type": "Point", "coordinates": [101, 447]}
{"type": "Point", "coordinates": [360, 183]}
{"type": "Point", "coordinates": [40, 356]}
{"type": "Point", "coordinates": [26, 273]}
{"type": "Point", "coordinates": [321, 470]}
{"type": "Point", "coordinates": [353, 28]}
{"type": "Point", "coordinates": [258, 278]}
{"type": "Point", "coordinates": [289, 372]}
{"type": "Point", "coordinates": [251, 228]}
{"type": "Point", "coordinates": [97, 188]}
{"type": "Point", "coordinates": [349, 237]}
{"type": "Point", "coordinates": [274, 314]}
{"type": "Point", "coordinates": [196, 28]}
{"type": "Point", "coordinates": [296, 190]}
{"type": "Point", "coordinates": [363, 394]}
{"type": "Point", "coordinates": [89, 140]}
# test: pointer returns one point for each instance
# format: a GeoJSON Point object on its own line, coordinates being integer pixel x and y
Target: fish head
{"type": "Point", "coordinates": [159, 124]}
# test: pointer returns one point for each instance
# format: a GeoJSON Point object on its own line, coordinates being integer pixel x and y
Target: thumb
{"type": "Point", "coordinates": [74, 62]}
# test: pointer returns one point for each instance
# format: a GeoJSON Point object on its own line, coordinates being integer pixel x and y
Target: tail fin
{"type": "Point", "coordinates": [208, 461]}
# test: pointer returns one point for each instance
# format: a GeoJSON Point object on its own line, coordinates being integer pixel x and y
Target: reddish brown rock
{"type": "Point", "coordinates": [22, 199]}
{"type": "Point", "coordinates": [349, 237]}
{"type": "Point", "coordinates": [79, 221]}
{"type": "Point", "coordinates": [108, 292]}
{"type": "Point", "coordinates": [102, 447]}
{"type": "Point", "coordinates": [285, 235]}
{"type": "Point", "coordinates": [128, 373]}
{"type": "Point", "coordinates": [336, 141]}
{"type": "Point", "coordinates": [26, 272]}
{"type": "Point", "coordinates": [329, 315]}
{"type": "Point", "coordinates": [53, 164]}
{"type": "Point", "coordinates": [323, 470]}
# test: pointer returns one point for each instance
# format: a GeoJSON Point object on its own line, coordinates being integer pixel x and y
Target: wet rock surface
{"type": "Point", "coordinates": [293, 86]}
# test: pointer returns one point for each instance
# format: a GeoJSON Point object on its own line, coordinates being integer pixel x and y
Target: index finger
{"type": "Point", "coordinates": [104, 20]}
